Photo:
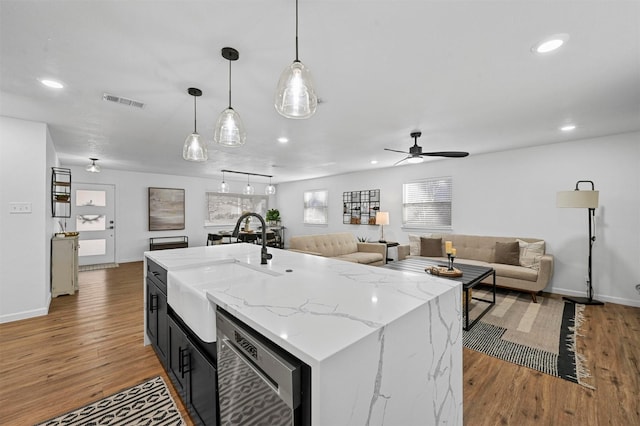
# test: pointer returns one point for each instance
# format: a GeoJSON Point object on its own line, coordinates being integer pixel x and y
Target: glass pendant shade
{"type": "Point", "coordinates": [93, 167]}
{"type": "Point", "coordinates": [229, 129]}
{"type": "Point", "coordinates": [224, 187]}
{"type": "Point", "coordinates": [295, 95]}
{"type": "Point", "coordinates": [248, 190]}
{"type": "Point", "coordinates": [270, 190]}
{"type": "Point", "coordinates": [194, 148]}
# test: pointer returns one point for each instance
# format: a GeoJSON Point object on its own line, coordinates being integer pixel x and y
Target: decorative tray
{"type": "Point", "coordinates": [443, 271]}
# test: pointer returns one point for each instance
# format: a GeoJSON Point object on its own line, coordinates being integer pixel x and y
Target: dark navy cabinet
{"type": "Point", "coordinates": [189, 362]}
{"type": "Point", "coordinates": [157, 314]}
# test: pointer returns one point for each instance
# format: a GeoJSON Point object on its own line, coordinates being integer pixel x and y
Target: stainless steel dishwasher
{"type": "Point", "coordinates": [259, 383]}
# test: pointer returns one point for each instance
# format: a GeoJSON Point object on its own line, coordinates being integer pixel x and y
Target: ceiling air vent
{"type": "Point", "coordinates": [121, 100]}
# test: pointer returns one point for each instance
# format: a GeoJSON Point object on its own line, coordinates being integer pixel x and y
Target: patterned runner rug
{"type": "Point", "coordinates": [148, 403]}
{"type": "Point", "coordinates": [540, 336]}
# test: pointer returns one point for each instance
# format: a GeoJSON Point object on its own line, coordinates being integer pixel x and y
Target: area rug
{"type": "Point", "coordinates": [540, 336]}
{"type": "Point", "coordinates": [96, 267]}
{"type": "Point", "coordinates": [148, 403]}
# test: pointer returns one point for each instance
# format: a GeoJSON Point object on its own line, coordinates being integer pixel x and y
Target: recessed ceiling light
{"type": "Point", "coordinates": [283, 140]}
{"type": "Point", "coordinates": [551, 43]}
{"type": "Point", "coordinates": [52, 83]}
{"type": "Point", "coordinates": [568, 127]}
{"type": "Point", "coordinates": [374, 161]}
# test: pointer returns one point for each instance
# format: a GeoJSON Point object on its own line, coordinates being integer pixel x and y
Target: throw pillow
{"type": "Point", "coordinates": [414, 245]}
{"type": "Point", "coordinates": [530, 254]}
{"type": "Point", "coordinates": [430, 247]}
{"type": "Point", "coordinates": [507, 253]}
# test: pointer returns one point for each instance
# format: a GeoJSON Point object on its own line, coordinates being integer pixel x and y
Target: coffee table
{"type": "Point", "coordinates": [472, 275]}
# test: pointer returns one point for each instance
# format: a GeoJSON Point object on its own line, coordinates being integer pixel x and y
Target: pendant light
{"type": "Point", "coordinates": [224, 186]}
{"type": "Point", "coordinates": [93, 167]}
{"type": "Point", "coordinates": [229, 129]}
{"type": "Point", "coordinates": [295, 95]}
{"type": "Point", "coordinates": [248, 190]}
{"type": "Point", "coordinates": [270, 189]}
{"type": "Point", "coordinates": [194, 149]}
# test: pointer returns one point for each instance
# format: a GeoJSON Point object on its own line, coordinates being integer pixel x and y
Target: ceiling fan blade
{"type": "Point", "coordinates": [395, 150]}
{"type": "Point", "coordinates": [450, 154]}
{"type": "Point", "coordinates": [401, 161]}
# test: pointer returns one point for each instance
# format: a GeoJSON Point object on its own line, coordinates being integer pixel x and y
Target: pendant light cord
{"type": "Point", "coordinates": [297, 60]}
{"type": "Point", "coordinates": [229, 84]}
{"type": "Point", "coordinates": [195, 116]}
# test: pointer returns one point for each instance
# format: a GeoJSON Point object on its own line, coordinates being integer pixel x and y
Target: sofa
{"type": "Point", "coordinates": [342, 246]}
{"type": "Point", "coordinates": [520, 263]}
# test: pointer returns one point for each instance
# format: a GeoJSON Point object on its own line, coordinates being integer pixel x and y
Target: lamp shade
{"type": "Point", "coordinates": [382, 218]}
{"type": "Point", "coordinates": [194, 149]}
{"type": "Point", "coordinates": [295, 95]}
{"type": "Point", "coordinates": [577, 199]}
{"type": "Point", "coordinates": [229, 130]}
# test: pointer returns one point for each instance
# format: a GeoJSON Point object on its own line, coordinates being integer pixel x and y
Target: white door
{"type": "Point", "coordinates": [93, 215]}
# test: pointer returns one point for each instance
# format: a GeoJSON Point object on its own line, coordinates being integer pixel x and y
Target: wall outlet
{"type": "Point", "coordinates": [19, 207]}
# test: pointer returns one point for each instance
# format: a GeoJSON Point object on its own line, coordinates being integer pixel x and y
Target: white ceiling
{"type": "Point", "coordinates": [460, 71]}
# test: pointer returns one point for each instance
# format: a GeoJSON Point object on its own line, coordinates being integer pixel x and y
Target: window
{"type": "Point", "coordinates": [427, 203]}
{"type": "Point", "coordinates": [225, 209]}
{"type": "Point", "coordinates": [316, 206]}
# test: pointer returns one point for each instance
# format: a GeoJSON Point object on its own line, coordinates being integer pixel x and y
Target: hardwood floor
{"type": "Point", "coordinates": [90, 346]}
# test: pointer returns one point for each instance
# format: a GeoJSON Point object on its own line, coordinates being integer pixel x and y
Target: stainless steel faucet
{"type": "Point", "coordinates": [264, 256]}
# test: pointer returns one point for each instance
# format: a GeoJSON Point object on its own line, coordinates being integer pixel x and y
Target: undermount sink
{"type": "Point", "coordinates": [186, 290]}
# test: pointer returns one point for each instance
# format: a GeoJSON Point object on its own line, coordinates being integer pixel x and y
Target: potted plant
{"type": "Point", "coordinates": [273, 217]}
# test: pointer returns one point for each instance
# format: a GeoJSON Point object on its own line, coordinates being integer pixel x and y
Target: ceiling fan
{"type": "Point", "coordinates": [416, 154]}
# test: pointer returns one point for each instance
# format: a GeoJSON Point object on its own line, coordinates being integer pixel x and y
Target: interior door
{"type": "Point", "coordinates": [93, 215]}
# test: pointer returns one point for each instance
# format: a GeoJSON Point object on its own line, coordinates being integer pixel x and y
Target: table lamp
{"type": "Point", "coordinates": [382, 218]}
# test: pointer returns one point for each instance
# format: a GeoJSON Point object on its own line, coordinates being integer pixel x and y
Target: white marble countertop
{"type": "Point", "coordinates": [311, 306]}
{"type": "Point", "coordinates": [389, 341]}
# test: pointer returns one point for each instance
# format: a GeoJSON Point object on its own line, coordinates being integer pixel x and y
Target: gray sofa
{"type": "Point", "coordinates": [342, 246]}
{"type": "Point", "coordinates": [530, 270]}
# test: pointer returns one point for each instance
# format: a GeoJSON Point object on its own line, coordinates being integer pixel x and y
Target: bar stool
{"type": "Point", "coordinates": [214, 239]}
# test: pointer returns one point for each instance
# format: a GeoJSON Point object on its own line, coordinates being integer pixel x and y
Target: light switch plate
{"type": "Point", "coordinates": [19, 207]}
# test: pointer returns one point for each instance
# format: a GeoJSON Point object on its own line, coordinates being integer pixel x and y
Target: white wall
{"type": "Point", "coordinates": [132, 222]}
{"type": "Point", "coordinates": [512, 193]}
{"type": "Point", "coordinates": [26, 158]}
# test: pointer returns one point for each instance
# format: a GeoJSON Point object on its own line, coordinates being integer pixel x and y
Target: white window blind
{"type": "Point", "coordinates": [427, 203]}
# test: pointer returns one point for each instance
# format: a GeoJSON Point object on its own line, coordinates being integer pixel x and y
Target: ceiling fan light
{"type": "Point", "coordinates": [295, 95]}
{"type": "Point", "coordinates": [230, 129]}
{"type": "Point", "coordinates": [415, 160]}
{"type": "Point", "coordinates": [194, 149]}
{"type": "Point", "coordinates": [93, 167]}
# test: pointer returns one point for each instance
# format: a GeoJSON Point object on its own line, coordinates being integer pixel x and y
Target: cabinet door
{"type": "Point", "coordinates": [201, 398]}
{"type": "Point", "coordinates": [152, 312]}
{"type": "Point", "coordinates": [178, 352]}
{"type": "Point", "coordinates": [163, 327]}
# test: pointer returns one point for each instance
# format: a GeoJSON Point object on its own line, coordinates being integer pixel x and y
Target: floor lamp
{"type": "Point", "coordinates": [382, 219]}
{"type": "Point", "coordinates": [588, 200]}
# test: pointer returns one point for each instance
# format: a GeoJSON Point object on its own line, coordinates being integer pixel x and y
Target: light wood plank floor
{"type": "Point", "coordinates": [90, 346]}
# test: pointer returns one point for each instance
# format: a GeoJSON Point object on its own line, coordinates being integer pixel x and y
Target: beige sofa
{"type": "Point", "coordinates": [529, 271]}
{"type": "Point", "coordinates": [342, 246]}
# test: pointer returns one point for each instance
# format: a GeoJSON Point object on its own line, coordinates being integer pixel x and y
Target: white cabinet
{"type": "Point", "coordinates": [64, 265]}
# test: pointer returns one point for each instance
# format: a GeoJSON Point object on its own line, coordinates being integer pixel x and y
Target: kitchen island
{"type": "Point", "coordinates": [384, 347]}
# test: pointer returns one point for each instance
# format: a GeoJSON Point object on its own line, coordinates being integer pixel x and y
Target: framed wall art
{"type": "Point", "coordinates": [166, 209]}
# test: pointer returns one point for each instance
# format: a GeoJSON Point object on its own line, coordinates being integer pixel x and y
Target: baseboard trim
{"type": "Point", "coordinates": [602, 297]}
{"type": "Point", "coordinates": [24, 315]}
